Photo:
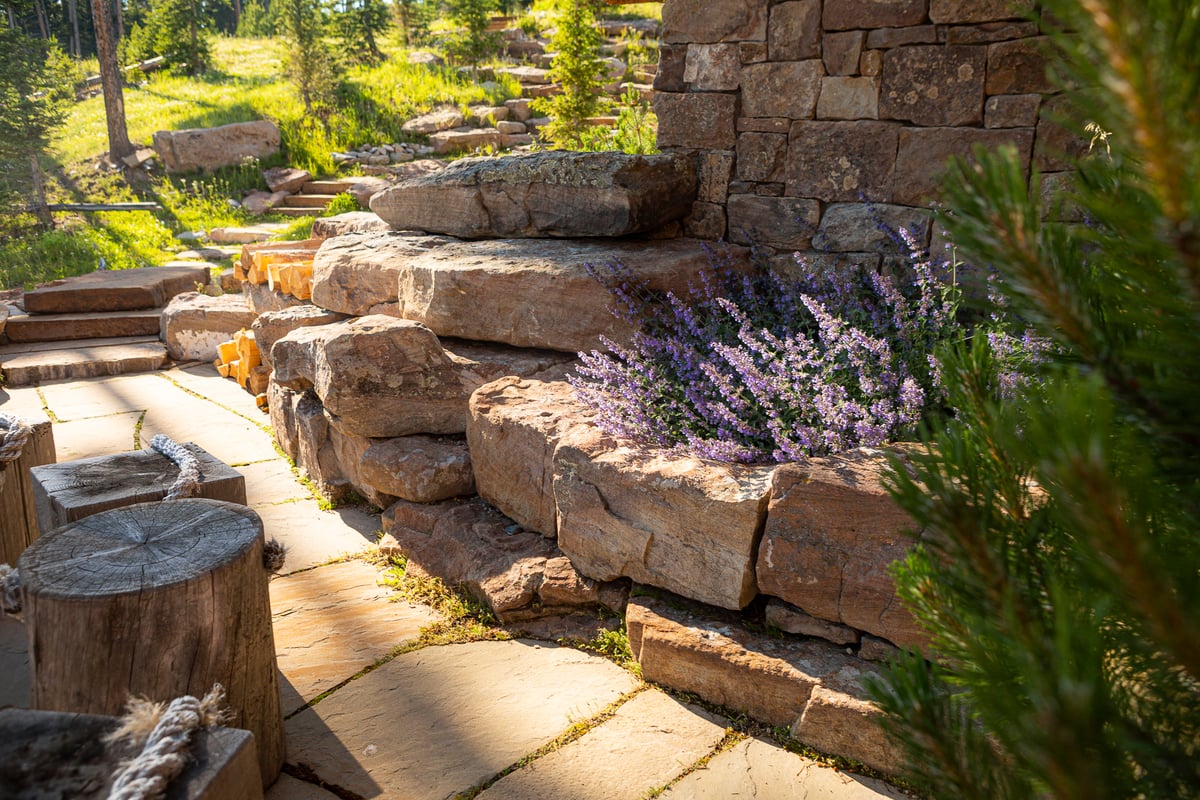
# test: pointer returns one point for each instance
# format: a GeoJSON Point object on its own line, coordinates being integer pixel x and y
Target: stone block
{"type": "Point", "coordinates": [443, 119]}
{"type": "Point", "coordinates": [713, 67]}
{"type": "Point", "coordinates": [1011, 111]}
{"type": "Point", "coordinates": [193, 324]}
{"type": "Point", "coordinates": [832, 533]}
{"type": "Point", "coordinates": [116, 290]}
{"type": "Point", "coordinates": [887, 38]}
{"type": "Point", "coordinates": [702, 121]}
{"type": "Point", "coordinates": [513, 429]}
{"type": "Point", "coordinates": [286, 179]}
{"type": "Point", "coordinates": [421, 469]}
{"type": "Point", "coordinates": [839, 719]}
{"type": "Point", "coordinates": [714, 169]}
{"type": "Point", "coordinates": [790, 619]}
{"type": "Point", "coordinates": [72, 490]}
{"type": "Point", "coordinates": [704, 21]}
{"type": "Point", "coordinates": [208, 149]}
{"type": "Point", "coordinates": [753, 52]}
{"type": "Point", "coordinates": [958, 12]}
{"type": "Point", "coordinates": [855, 227]}
{"type": "Point", "coordinates": [1054, 193]}
{"type": "Point", "coordinates": [349, 222]}
{"type": "Point", "coordinates": [870, 63]}
{"type": "Point", "coordinates": [759, 125]}
{"type": "Point", "coordinates": [761, 156]}
{"type": "Point", "coordinates": [784, 222]}
{"type": "Point", "coordinates": [934, 85]}
{"type": "Point", "coordinates": [672, 64]}
{"type": "Point", "coordinates": [356, 274]}
{"type": "Point", "coordinates": [678, 523]}
{"type": "Point", "coordinates": [1060, 140]}
{"type": "Point", "coordinates": [1020, 66]}
{"type": "Point", "coordinates": [274, 325]}
{"type": "Point", "coordinates": [782, 89]}
{"type": "Point", "coordinates": [707, 221]}
{"type": "Point", "coordinates": [923, 153]}
{"type": "Point", "coordinates": [848, 98]}
{"type": "Point", "coordinates": [840, 51]}
{"type": "Point", "coordinates": [989, 32]}
{"type": "Point", "coordinates": [841, 15]}
{"type": "Point", "coordinates": [794, 32]}
{"type": "Point", "coordinates": [842, 161]}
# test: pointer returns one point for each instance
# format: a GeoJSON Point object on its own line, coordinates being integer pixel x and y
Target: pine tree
{"type": "Point", "coordinates": [309, 62]}
{"type": "Point", "coordinates": [1059, 571]}
{"type": "Point", "coordinates": [578, 68]}
{"type": "Point", "coordinates": [360, 24]}
{"type": "Point", "coordinates": [175, 30]}
{"type": "Point", "coordinates": [474, 43]}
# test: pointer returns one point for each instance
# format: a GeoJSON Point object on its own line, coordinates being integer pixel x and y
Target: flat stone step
{"type": "Point", "coordinates": [62, 327]}
{"type": "Point", "coordinates": [326, 187]}
{"type": "Point", "coordinates": [23, 365]}
{"type": "Point", "coordinates": [307, 200]}
{"type": "Point", "coordinates": [116, 290]}
{"type": "Point", "coordinates": [295, 211]}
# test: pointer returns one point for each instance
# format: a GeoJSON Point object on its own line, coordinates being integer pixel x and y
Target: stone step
{"type": "Point", "coordinates": [307, 200]}
{"type": "Point", "coordinates": [26, 328]}
{"type": "Point", "coordinates": [26, 364]}
{"type": "Point", "coordinates": [294, 211]}
{"type": "Point", "coordinates": [116, 290]}
{"type": "Point", "coordinates": [326, 187]}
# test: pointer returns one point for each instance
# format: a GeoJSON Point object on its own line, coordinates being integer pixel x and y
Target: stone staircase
{"type": "Point", "coordinates": [312, 199]}
{"type": "Point", "coordinates": [103, 323]}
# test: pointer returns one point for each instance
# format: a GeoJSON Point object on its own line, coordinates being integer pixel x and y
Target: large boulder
{"type": "Point", "coordinates": [513, 429]}
{"type": "Point", "coordinates": [421, 469]}
{"type": "Point", "coordinates": [349, 222]}
{"type": "Point", "coordinates": [382, 377]}
{"type": "Point", "coordinates": [193, 324]}
{"type": "Point", "coordinates": [274, 325]}
{"type": "Point", "coordinates": [832, 533]}
{"type": "Point", "coordinates": [535, 293]}
{"type": "Point", "coordinates": [358, 273]}
{"type": "Point", "coordinates": [552, 193]}
{"type": "Point", "coordinates": [675, 522]}
{"type": "Point", "coordinates": [211, 148]}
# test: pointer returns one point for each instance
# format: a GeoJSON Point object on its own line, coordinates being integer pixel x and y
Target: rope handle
{"type": "Point", "coordinates": [15, 434]}
{"type": "Point", "coordinates": [189, 466]}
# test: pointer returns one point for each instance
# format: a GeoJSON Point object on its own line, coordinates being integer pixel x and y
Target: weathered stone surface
{"type": "Point", "coordinates": [509, 127]}
{"type": "Point", "coordinates": [790, 619]}
{"type": "Point", "coordinates": [713, 171]}
{"type": "Point", "coordinates": [646, 744]}
{"type": "Point", "coordinates": [440, 120]}
{"type": "Point", "coordinates": [1054, 191]}
{"type": "Point", "coordinates": [513, 429]}
{"type": "Point", "coordinates": [839, 719]}
{"type": "Point", "coordinates": [1060, 140]}
{"type": "Point", "coordinates": [782, 88]}
{"type": "Point", "coordinates": [210, 148]}
{"type": "Point", "coordinates": [365, 187]}
{"type": "Point", "coordinates": [841, 51]}
{"type": "Point", "coordinates": [840, 15]}
{"type": "Point", "coordinates": [528, 76]}
{"type": "Point", "coordinates": [794, 32]}
{"type": "Point", "coordinates": [469, 712]}
{"type": "Point", "coordinates": [116, 290]}
{"type": "Point", "coordinates": [990, 32]}
{"type": "Point", "coordinates": [854, 227]}
{"type": "Point", "coordinates": [356, 274]}
{"type": "Point", "coordinates": [753, 52]}
{"type": "Point", "coordinates": [887, 38]}
{"type": "Point", "coordinates": [551, 193]}
{"type": "Point", "coordinates": [281, 406]}
{"type": "Point", "coordinates": [349, 222]}
{"type": "Point", "coordinates": [957, 12]}
{"type": "Point", "coordinates": [755, 768]}
{"type": "Point", "coordinates": [923, 152]}
{"type": "Point", "coordinates": [1019, 67]}
{"type": "Point", "coordinates": [704, 21]}
{"type": "Point", "coordinates": [707, 221]}
{"type": "Point", "coordinates": [870, 63]}
{"type": "Point", "coordinates": [537, 293]}
{"type": "Point", "coordinates": [262, 298]}
{"type": "Point", "coordinates": [470, 545]}
{"type": "Point", "coordinates": [934, 85]}
{"type": "Point", "coordinates": [674, 522]}
{"type": "Point", "coordinates": [713, 67]}
{"type": "Point", "coordinates": [672, 64]}
{"type": "Point", "coordinates": [702, 121]}
{"type": "Point", "coordinates": [1011, 111]}
{"type": "Point", "coordinates": [422, 469]}
{"type": "Point", "coordinates": [274, 325]}
{"type": "Point", "coordinates": [24, 328]}
{"type": "Point", "coordinates": [784, 222]}
{"type": "Point", "coordinates": [332, 622]}
{"type": "Point", "coordinates": [842, 161]}
{"type": "Point", "coordinates": [286, 179]}
{"type": "Point", "coordinates": [848, 98]}
{"type": "Point", "coordinates": [761, 156]}
{"type": "Point", "coordinates": [194, 324]}
{"type": "Point", "coordinates": [831, 534]}
{"type": "Point", "coordinates": [26, 364]}
{"type": "Point", "coordinates": [233, 235]}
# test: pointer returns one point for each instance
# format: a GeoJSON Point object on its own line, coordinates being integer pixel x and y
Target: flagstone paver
{"type": "Point", "coordinates": [289, 788]}
{"type": "Point", "coordinates": [333, 621]}
{"type": "Point", "coordinates": [14, 663]}
{"type": "Point", "coordinates": [440, 720]}
{"type": "Point", "coordinates": [271, 482]}
{"type": "Point", "coordinates": [96, 436]}
{"type": "Point", "coordinates": [77, 400]}
{"type": "Point", "coordinates": [650, 741]}
{"type": "Point", "coordinates": [314, 537]}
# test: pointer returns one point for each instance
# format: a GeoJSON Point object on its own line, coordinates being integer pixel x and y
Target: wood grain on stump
{"type": "Point", "coordinates": [18, 515]}
{"type": "Point", "coordinates": [159, 600]}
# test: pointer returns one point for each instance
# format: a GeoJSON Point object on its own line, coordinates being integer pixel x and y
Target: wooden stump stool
{"type": "Point", "coordinates": [18, 517]}
{"type": "Point", "coordinates": [160, 600]}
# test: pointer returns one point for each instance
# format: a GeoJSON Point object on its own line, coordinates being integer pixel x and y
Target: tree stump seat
{"type": "Point", "coordinates": [71, 490]}
{"type": "Point", "coordinates": [157, 600]}
{"type": "Point", "coordinates": [18, 514]}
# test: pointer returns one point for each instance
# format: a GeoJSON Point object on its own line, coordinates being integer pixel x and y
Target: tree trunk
{"type": "Point", "coordinates": [40, 208]}
{"type": "Point", "coordinates": [156, 599]}
{"type": "Point", "coordinates": [119, 145]}
{"type": "Point", "coordinates": [73, 17]}
{"type": "Point", "coordinates": [119, 8]}
{"type": "Point", "coordinates": [40, 7]}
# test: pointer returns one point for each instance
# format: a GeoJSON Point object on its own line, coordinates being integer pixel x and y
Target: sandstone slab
{"type": "Point", "coordinates": [855, 227]}
{"type": "Point", "coordinates": [349, 222]}
{"type": "Point", "coordinates": [116, 290]}
{"type": "Point", "coordinates": [440, 120]}
{"type": "Point", "coordinates": [28, 364]}
{"type": "Point", "coordinates": [761, 156]}
{"type": "Point", "coordinates": [840, 15]}
{"type": "Point", "coordinates": [650, 740]}
{"type": "Point", "coordinates": [357, 273]}
{"type": "Point", "coordinates": [841, 52]}
{"type": "Point", "coordinates": [794, 32]}
{"type": "Point", "coordinates": [790, 619]}
{"type": "Point", "coordinates": [934, 85]}
{"type": "Point", "coordinates": [840, 720]}
{"type": "Point", "coordinates": [959, 12]}
{"type": "Point", "coordinates": [513, 429]}
{"type": "Point", "coordinates": [678, 523]}
{"type": "Point", "coordinates": [463, 139]}
{"type": "Point", "coordinates": [844, 97]}
{"type": "Point", "coordinates": [538, 293]}
{"type": "Point", "coordinates": [211, 148]}
{"type": "Point", "coordinates": [262, 298]}
{"type": "Point", "coordinates": [831, 534]}
{"type": "Point", "coordinates": [469, 545]}
{"type": "Point", "coordinates": [787, 223]}
{"type": "Point", "coordinates": [66, 327]}
{"type": "Point", "coordinates": [274, 325]}
{"type": "Point", "coordinates": [554, 193]}
{"type": "Point", "coordinates": [194, 324]}
{"type": "Point", "coordinates": [422, 469]}
{"type": "Point", "coordinates": [713, 67]}
{"type": "Point", "coordinates": [841, 161]}
{"type": "Point", "coordinates": [923, 153]}
{"type": "Point", "coordinates": [286, 179]}
{"type": "Point", "coordinates": [697, 120]}
{"type": "Point", "coordinates": [467, 713]}
{"type": "Point", "coordinates": [699, 21]}
{"type": "Point", "coordinates": [787, 89]}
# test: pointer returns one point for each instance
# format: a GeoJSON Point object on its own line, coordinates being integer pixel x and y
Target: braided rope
{"type": "Point", "coordinates": [189, 468]}
{"type": "Point", "coordinates": [10, 589]}
{"type": "Point", "coordinates": [165, 752]}
{"type": "Point", "coordinates": [15, 434]}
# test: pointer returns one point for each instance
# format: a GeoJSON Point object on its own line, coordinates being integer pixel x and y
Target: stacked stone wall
{"type": "Point", "coordinates": [805, 115]}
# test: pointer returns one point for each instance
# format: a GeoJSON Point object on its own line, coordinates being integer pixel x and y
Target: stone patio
{"type": "Point", "coordinates": [518, 718]}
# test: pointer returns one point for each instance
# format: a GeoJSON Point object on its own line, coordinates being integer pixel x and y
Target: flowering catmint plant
{"type": "Point", "coordinates": [761, 368]}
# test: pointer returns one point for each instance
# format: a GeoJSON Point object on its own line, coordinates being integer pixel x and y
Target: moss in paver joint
{"type": "Point", "coordinates": [137, 431]}
{"type": "Point", "coordinates": [727, 742]}
{"type": "Point", "coordinates": [46, 405]}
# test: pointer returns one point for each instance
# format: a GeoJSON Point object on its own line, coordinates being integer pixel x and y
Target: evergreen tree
{"type": "Point", "coordinates": [175, 30]}
{"type": "Point", "coordinates": [473, 43]}
{"type": "Point", "coordinates": [1059, 575]}
{"type": "Point", "coordinates": [359, 25]}
{"type": "Point", "coordinates": [309, 62]}
{"type": "Point", "coordinates": [414, 17]}
{"type": "Point", "coordinates": [578, 68]}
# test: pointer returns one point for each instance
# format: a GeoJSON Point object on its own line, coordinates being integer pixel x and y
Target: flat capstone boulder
{"type": "Point", "coordinates": [194, 324]}
{"type": "Point", "coordinates": [546, 194]}
{"type": "Point", "coordinates": [208, 149]}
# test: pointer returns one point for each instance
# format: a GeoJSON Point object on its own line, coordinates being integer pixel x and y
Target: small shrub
{"type": "Point", "coordinates": [635, 131]}
{"type": "Point", "coordinates": [578, 67]}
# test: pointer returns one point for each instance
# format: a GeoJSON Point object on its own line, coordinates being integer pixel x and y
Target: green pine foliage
{"type": "Point", "coordinates": [1059, 568]}
{"type": "Point", "coordinates": [579, 69]}
{"type": "Point", "coordinates": [360, 25]}
{"type": "Point", "coordinates": [175, 30]}
{"type": "Point", "coordinates": [309, 62]}
{"type": "Point", "coordinates": [473, 42]}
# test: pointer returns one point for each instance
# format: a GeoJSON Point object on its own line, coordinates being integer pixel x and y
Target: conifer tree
{"type": "Point", "coordinates": [474, 43]}
{"type": "Point", "coordinates": [309, 61]}
{"type": "Point", "coordinates": [578, 68]}
{"type": "Point", "coordinates": [360, 25]}
{"type": "Point", "coordinates": [1059, 571]}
